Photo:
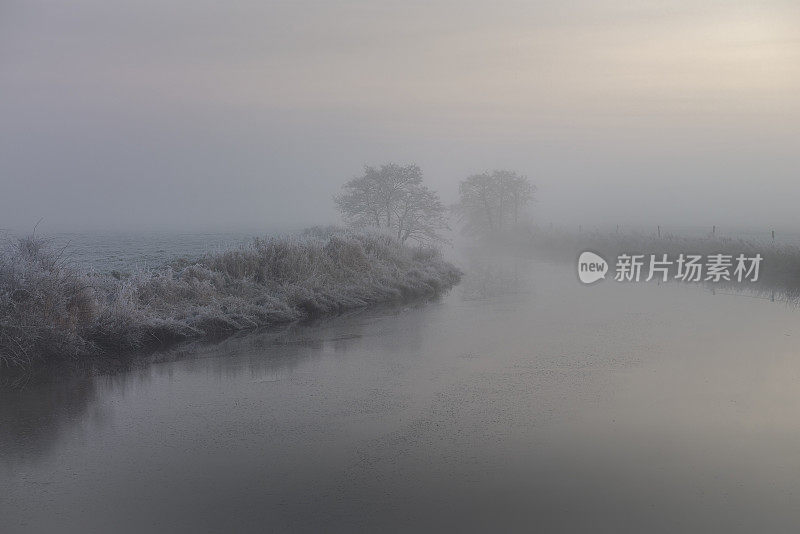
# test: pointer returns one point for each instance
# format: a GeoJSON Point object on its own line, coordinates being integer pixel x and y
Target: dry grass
{"type": "Point", "coordinates": [779, 270]}
{"type": "Point", "coordinates": [49, 310]}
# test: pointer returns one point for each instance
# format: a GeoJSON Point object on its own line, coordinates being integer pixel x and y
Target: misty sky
{"type": "Point", "coordinates": [198, 114]}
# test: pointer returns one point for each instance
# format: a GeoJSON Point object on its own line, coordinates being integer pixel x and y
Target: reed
{"type": "Point", "coordinates": [48, 309]}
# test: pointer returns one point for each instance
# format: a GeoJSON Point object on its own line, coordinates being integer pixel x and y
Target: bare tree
{"type": "Point", "coordinates": [393, 198]}
{"type": "Point", "coordinates": [492, 202]}
{"type": "Point", "coordinates": [478, 203]}
{"type": "Point", "coordinates": [516, 192]}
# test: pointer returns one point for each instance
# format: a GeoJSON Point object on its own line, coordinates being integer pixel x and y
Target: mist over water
{"type": "Point", "coordinates": [139, 393]}
{"type": "Point", "coordinates": [520, 399]}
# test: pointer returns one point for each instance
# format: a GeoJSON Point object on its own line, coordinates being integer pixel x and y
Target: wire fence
{"type": "Point", "coordinates": [763, 235]}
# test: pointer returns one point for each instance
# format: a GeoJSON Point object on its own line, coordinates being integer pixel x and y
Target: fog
{"type": "Point", "coordinates": [208, 115]}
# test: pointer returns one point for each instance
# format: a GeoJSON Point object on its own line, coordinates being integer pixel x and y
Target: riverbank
{"type": "Point", "coordinates": [779, 267]}
{"type": "Point", "coordinates": [519, 382]}
{"type": "Point", "coordinates": [778, 274]}
{"type": "Point", "coordinates": [51, 310]}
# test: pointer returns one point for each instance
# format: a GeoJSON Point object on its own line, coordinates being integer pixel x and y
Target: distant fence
{"type": "Point", "coordinates": [757, 235]}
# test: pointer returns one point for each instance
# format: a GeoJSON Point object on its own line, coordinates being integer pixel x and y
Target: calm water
{"type": "Point", "coordinates": [519, 401]}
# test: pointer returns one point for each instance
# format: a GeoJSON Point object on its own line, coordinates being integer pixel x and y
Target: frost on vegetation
{"type": "Point", "coordinates": [48, 309]}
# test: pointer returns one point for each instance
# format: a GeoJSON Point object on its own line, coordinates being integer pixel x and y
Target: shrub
{"type": "Point", "coordinates": [50, 310]}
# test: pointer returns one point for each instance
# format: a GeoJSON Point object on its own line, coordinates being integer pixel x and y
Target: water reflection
{"type": "Point", "coordinates": [39, 405]}
{"type": "Point", "coordinates": [35, 414]}
{"type": "Point", "coordinates": [502, 277]}
{"type": "Point", "coordinates": [521, 401]}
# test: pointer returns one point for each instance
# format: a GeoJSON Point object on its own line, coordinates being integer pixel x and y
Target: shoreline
{"type": "Point", "coordinates": [51, 311]}
{"type": "Point", "coordinates": [779, 271]}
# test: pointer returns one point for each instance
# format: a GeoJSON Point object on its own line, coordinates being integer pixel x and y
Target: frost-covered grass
{"type": "Point", "coordinates": [49, 310]}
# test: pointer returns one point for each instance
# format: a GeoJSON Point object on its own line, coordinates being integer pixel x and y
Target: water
{"type": "Point", "coordinates": [519, 401]}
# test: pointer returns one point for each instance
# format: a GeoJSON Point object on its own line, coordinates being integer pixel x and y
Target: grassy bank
{"type": "Point", "coordinates": [779, 269]}
{"type": "Point", "coordinates": [49, 310]}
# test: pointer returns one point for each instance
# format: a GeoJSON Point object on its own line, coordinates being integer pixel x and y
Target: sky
{"type": "Point", "coordinates": [204, 115]}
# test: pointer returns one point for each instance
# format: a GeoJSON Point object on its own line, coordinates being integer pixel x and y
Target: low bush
{"type": "Point", "coordinates": [48, 309]}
